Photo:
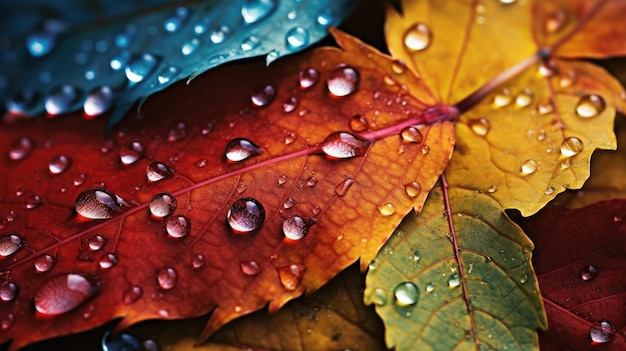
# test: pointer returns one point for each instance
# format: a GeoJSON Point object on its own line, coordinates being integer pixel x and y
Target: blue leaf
{"type": "Point", "coordinates": [63, 56]}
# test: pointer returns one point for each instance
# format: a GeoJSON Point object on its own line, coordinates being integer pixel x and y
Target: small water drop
{"type": "Point", "coordinates": [96, 203]}
{"type": "Point", "coordinates": [430, 287]}
{"type": "Point", "coordinates": [529, 167]}
{"type": "Point", "coordinates": [21, 148]}
{"type": "Point", "coordinates": [177, 226]}
{"type": "Point", "coordinates": [198, 261]}
{"type": "Point", "coordinates": [289, 203]}
{"type": "Point", "coordinates": [61, 100]}
{"type": "Point", "coordinates": [282, 179]}
{"type": "Point", "coordinates": [618, 218]}
{"type": "Point", "coordinates": [411, 134]}
{"type": "Point", "coordinates": [555, 21]}
{"type": "Point", "coordinates": [43, 263]}
{"type": "Point", "coordinates": [132, 153]}
{"type": "Point", "coordinates": [240, 149]}
{"type": "Point", "coordinates": [297, 37]}
{"type": "Point", "coordinates": [387, 209]}
{"type": "Point", "coordinates": [166, 278]}
{"type": "Point", "coordinates": [8, 291]}
{"type": "Point", "coordinates": [250, 268]}
{"type": "Point", "coordinates": [140, 66]}
{"type": "Point", "coordinates": [33, 202]}
{"type": "Point", "coordinates": [344, 145]}
{"type": "Point", "coordinates": [398, 66]}
{"type": "Point", "coordinates": [418, 37]}
{"type": "Point", "coordinates": [308, 77]}
{"type": "Point", "coordinates": [219, 35]}
{"type": "Point", "coordinates": [290, 138]}
{"type": "Point", "coordinates": [107, 261]}
{"type": "Point", "coordinates": [190, 46]}
{"type": "Point", "coordinates": [295, 227]}
{"type": "Point", "coordinates": [406, 294]}
{"type": "Point", "coordinates": [342, 81]}
{"type": "Point", "coordinates": [417, 256]}
{"type": "Point", "coordinates": [412, 189]}
{"type": "Point", "coordinates": [162, 205]}
{"type": "Point", "coordinates": [425, 149]}
{"type": "Point", "coordinates": [571, 146]}
{"type": "Point", "coordinates": [602, 331]}
{"type": "Point", "coordinates": [10, 243]}
{"type": "Point", "coordinates": [545, 107]}
{"type": "Point", "coordinates": [250, 43]}
{"type": "Point", "coordinates": [64, 292]}
{"type": "Point", "coordinates": [132, 294]}
{"type": "Point", "coordinates": [59, 164]}
{"type": "Point", "coordinates": [342, 188]}
{"type": "Point", "coordinates": [311, 181]}
{"type": "Point", "coordinates": [325, 17]}
{"type": "Point", "coordinates": [358, 123]}
{"type": "Point", "coordinates": [120, 342]}
{"type": "Point", "coordinates": [291, 276]}
{"type": "Point", "coordinates": [454, 280]}
{"type": "Point", "coordinates": [565, 164]}
{"type": "Point", "coordinates": [256, 10]}
{"type": "Point", "coordinates": [245, 215]}
{"type": "Point", "coordinates": [480, 126]}
{"type": "Point", "coordinates": [96, 242]}
{"type": "Point", "coordinates": [590, 106]}
{"type": "Point", "coordinates": [548, 68]}
{"type": "Point", "coordinates": [99, 101]}
{"type": "Point", "coordinates": [41, 43]}
{"type": "Point", "coordinates": [376, 296]}
{"type": "Point", "coordinates": [524, 98]}
{"type": "Point", "coordinates": [174, 22]}
{"type": "Point", "coordinates": [589, 272]}
{"type": "Point", "coordinates": [549, 190]}
{"type": "Point", "coordinates": [568, 79]}
{"type": "Point", "coordinates": [158, 171]}
{"type": "Point", "coordinates": [290, 104]}
{"type": "Point", "coordinates": [523, 279]}
{"type": "Point", "coordinates": [503, 98]}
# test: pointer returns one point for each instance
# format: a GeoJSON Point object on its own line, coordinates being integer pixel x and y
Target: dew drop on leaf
{"type": "Point", "coordinates": [250, 43]}
{"type": "Point", "coordinates": [177, 226]}
{"type": "Point", "coordinates": [256, 10]}
{"type": "Point", "coordinates": [524, 98]}
{"type": "Point", "coordinates": [342, 188]}
{"type": "Point", "coordinates": [107, 261]}
{"type": "Point", "coordinates": [41, 43]}
{"type": "Point", "coordinates": [342, 81]}
{"type": "Point", "coordinates": [10, 243]}
{"type": "Point", "coordinates": [290, 104]}
{"type": "Point", "coordinates": [61, 99]}
{"type": "Point", "coordinates": [548, 68]}
{"type": "Point", "coordinates": [8, 291]}
{"type": "Point", "coordinates": [240, 149]}
{"type": "Point", "coordinates": [140, 66]}
{"type": "Point", "coordinates": [295, 227]}
{"type": "Point", "coordinates": [344, 145]}
{"type": "Point", "coordinates": [21, 148]}
{"type": "Point", "coordinates": [311, 181]}
{"type": "Point", "coordinates": [555, 21]}
{"type": "Point", "coordinates": [454, 280]}
{"type": "Point", "coordinates": [387, 209]}
{"type": "Point", "coordinates": [567, 80]}
{"type": "Point", "coordinates": [297, 37]}
{"type": "Point", "coordinates": [417, 37]}
{"type": "Point", "coordinates": [417, 256]}
{"type": "Point", "coordinates": [529, 167]}
{"type": "Point", "coordinates": [249, 268]}
{"type": "Point", "coordinates": [162, 205]}
{"type": "Point", "coordinates": [590, 106]}
{"type": "Point", "coordinates": [545, 107]}
{"type": "Point", "coordinates": [325, 17]}
{"type": "Point", "coordinates": [198, 261]}
{"type": "Point", "coordinates": [96, 242]}
{"type": "Point", "coordinates": [398, 66]}
{"type": "Point", "coordinates": [406, 294]}
{"type": "Point", "coordinates": [120, 342]}
{"type": "Point", "coordinates": [132, 294]}
{"type": "Point", "coordinates": [33, 202]}
{"type": "Point", "coordinates": [308, 77]}
{"type": "Point", "coordinates": [565, 164]}
{"type": "Point", "coordinates": [480, 126]}
{"type": "Point", "coordinates": [571, 146]}
{"type": "Point", "coordinates": [43, 263]}
{"type": "Point", "coordinates": [99, 101]}
{"type": "Point", "coordinates": [291, 276]}
{"type": "Point", "coordinates": [588, 272]}
{"type": "Point", "coordinates": [503, 98]}
{"type": "Point", "coordinates": [132, 153]}
{"type": "Point", "coordinates": [430, 287]}
{"type": "Point", "coordinates": [289, 203]}
{"type": "Point", "coordinates": [158, 171]}
{"type": "Point", "coordinates": [412, 189]}
{"type": "Point", "coordinates": [245, 215]}
{"type": "Point", "coordinates": [59, 164]}
{"type": "Point", "coordinates": [549, 190]}
{"type": "Point", "coordinates": [96, 203]}
{"type": "Point", "coordinates": [263, 96]}
{"type": "Point", "coordinates": [411, 135]}
{"type": "Point", "coordinates": [358, 123]}
{"type": "Point", "coordinates": [190, 46]}
{"type": "Point", "coordinates": [64, 292]}
{"type": "Point", "coordinates": [618, 218]}
{"type": "Point", "coordinates": [174, 22]}
{"type": "Point", "coordinates": [177, 133]}
{"type": "Point", "coordinates": [376, 296]}
{"type": "Point", "coordinates": [166, 278]}
{"type": "Point", "coordinates": [602, 331]}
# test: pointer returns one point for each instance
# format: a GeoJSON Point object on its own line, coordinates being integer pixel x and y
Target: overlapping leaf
{"type": "Point", "coordinates": [350, 206]}
{"type": "Point", "coordinates": [580, 261]}
{"type": "Point", "coordinates": [135, 50]}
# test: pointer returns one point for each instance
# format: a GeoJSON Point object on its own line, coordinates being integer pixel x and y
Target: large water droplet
{"type": "Point", "coordinates": [10, 243]}
{"type": "Point", "coordinates": [342, 81]}
{"type": "Point", "coordinates": [571, 146]}
{"type": "Point", "coordinates": [8, 291]}
{"type": "Point", "coordinates": [412, 189]}
{"type": "Point", "coordinates": [291, 276]}
{"type": "Point", "coordinates": [96, 242]}
{"type": "Point", "coordinates": [308, 77]}
{"type": "Point", "coordinates": [177, 226]}
{"type": "Point", "coordinates": [417, 37]}
{"type": "Point", "coordinates": [295, 227]}
{"type": "Point", "coordinates": [107, 261]}
{"type": "Point", "coordinates": [245, 215]}
{"type": "Point", "coordinates": [406, 294]}
{"type": "Point", "coordinates": [158, 171]}
{"type": "Point", "coordinates": [99, 101]}
{"type": "Point", "coordinates": [61, 100]}
{"type": "Point", "coordinates": [387, 209]}
{"type": "Point", "coordinates": [249, 267]}
{"type": "Point", "coordinates": [344, 145]}
{"type": "Point", "coordinates": [411, 134]}
{"type": "Point", "coordinates": [297, 37]}
{"type": "Point", "coordinates": [132, 294]}
{"type": "Point", "coordinates": [589, 272]}
{"type": "Point", "coordinates": [140, 66]}
{"type": "Point", "coordinates": [240, 149]}
{"type": "Point", "coordinates": [59, 164]}
{"type": "Point", "coordinates": [64, 292]}
{"type": "Point", "coordinates": [166, 278]}
{"type": "Point", "coordinates": [263, 96]}
{"type": "Point", "coordinates": [162, 205]}
{"type": "Point", "coordinates": [454, 280]}
{"type": "Point", "coordinates": [289, 203]}
{"type": "Point", "coordinates": [529, 167]}
{"type": "Point", "coordinates": [43, 263]}
{"type": "Point", "coordinates": [342, 188]}
{"type": "Point", "coordinates": [21, 148]}
{"type": "Point", "coordinates": [256, 10]}
{"type": "Point", "coordinates": [602, 331]}
{"type": "Point", "coordinates": [96, 203]}
{"type": "Point", "coordinates": [590, 106]}
{"type": "Point", "coordinates": [120, 342]}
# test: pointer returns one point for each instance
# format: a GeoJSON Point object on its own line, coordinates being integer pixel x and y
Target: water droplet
{"type": "Point", "coordinates": [140, 66]}
{"type": "Point", "coordinates": [256, 10]}
{"type": "Point", "coordinates": [44, 263]}
{"type": "Point", "coordinates": [166, 278]}
{"type": "Point", "coordinates": [411, 135]}
{"type": "Point", "coordinates": [590, 106]}
{"type": "Point", "coordinates": [454, 280]}
{"type": "Point", "coordinates": [618, 218]}
{"type": "Point", "coordinates": [33, 202]}
{"type": "Point", "coordinates": [290, 104]}
{"type": "Point", "coordinates": [555, 21]}
{"type": "Point", "coordinates": [107, 261]}
{"type": "Point", "coordinates": [430, 287]}
{"type": "Point", "coordinates": [250, 268]}
{"type": "Point", "coordinates": [295, 227]}
{"type": "Point", "coordinates": [96, 242]}
{"type": "Point", "coordinates": [158, 171]}
{"type": "Point", "coordinates": [376, 296]}
{"type": "Point", "coordinates": [271, 56]}
{"type": "Point", "coordinates": [387, 209]}
{"type": "Point", "coordinates": [8, 291]}
{"type": "Point", "coordinates": [219, 35]}
{"type": "Point", "coordinates": [342, 81]}
{"type": "Point", "coordinates": [263, 96]}
{"type": "Point", "coordinates": [417, 37]}
{"type": "Point", "coordinates": [297, 37]}
{"type": "Point", "coordinates": [589, 272]}
{"type": "Point", "coordinates": [99, 101]}
{"type": "Point", "coordinates": [61, 100]}
{"type": "Point", "coordinates": [325, 17]}
{"type": "Point", "coordinates": [41, 43]}
{"type": "Point", "coordinates": [344, 145]}
{"type": "Point", "coordinates": [190, 46]}
{"type": "Point", "coordinates": [240, 149]}
{"type": "Point", "coordinates": [417, 256]}
{"type": "Point", "coordinates": [548, 68]}
{"type": "Point", "coordinates": [406, 294]}
{"type": "Point", "coordinates": [23, 102]}
{"type": "Point", "coordinates": [311, 181]}
{"type": "Point", "coordinates": [21, 148]}
{"type": "Point", "coordinates": [524, 98]}
{"type": "Point", "coordinates": [289, 203]}
{"type": "Point", "coordinates": [523, 279]}
{"type": "Point", "coordinates": [250, 43]}
{"type": "Point", "coordinates": [398, 66]}
{"type": "Point", "coordinates": [567, 80]}
{"type": "Point", "coordinates": [198, 261]}
{"type": "Point", "coordinates": [120, 342]}
{"type": "Point", "coordinates": [96, 203]}
{"type": "Point", "coordinates": [132, 294]}
{"type": "Point", "coordinates": [10, 243]}
{"type": "Point", "coordinates": [308, 77]}
{"type": "Point", "coordinates": [529, 167]}
{"type": "Point", "coordinates": [480, 126]}
{"type": "Point", "coordinates": [503, 98]}
{"type": "Point", "coordinates": [571, 146]}
{"type": "Point", "coordinates": [174, 22]}
{"type": "Point", "coordinates": [64, 292]}
{"type": "Point", "coordinates": [132, 153]}
{"type": "Point", "coordinates": [245, 215]}
{"type": "Point", "coordinates": [342, 188]}
{"type": "Point", "coordinates": [162, 205]}
{"type": "Point", "coordinates": [282, 179]}
{"type": "Point", "coordinates": [549, 190]}
{"type": "Point", "coordinates": [602, 331]}
{"type": "Point", "coordinates": [358, 123]}
{"type": "Point", "coordinates": [291, 276]}
{"type": "Point", "coordinates": [412, 189]}
{"type": "Point", "coordinates": [177, 226]}
{"type": "Point", "coordinates": [59, 164]}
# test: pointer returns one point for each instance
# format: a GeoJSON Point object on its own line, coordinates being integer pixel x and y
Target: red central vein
{"type": "Point", "coordinates": [457, 256]}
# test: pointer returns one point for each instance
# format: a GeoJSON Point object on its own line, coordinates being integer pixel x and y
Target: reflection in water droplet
{"type": "Point", "coordinates": [41, 43]}
{"type": "Point", "coordinates": [571, 146]}
{"type": "Point", "coordinates": [311, 181]}
{"type": "Point", "coordinates": [120, 342]}
{"type": "Point", "coordinates": [412, 189]}
{"type": "Point", "coordinates": [291, 276]}
{"type": "Point", "coordinates": [198, 261]}
{"type": "Point", "coordinates": [8, 291]}
{"type": "Point", "coordinates": [290, 104]}
{"type": "Point", "coordinates": [297, 37]}
{"type": "Point", "coordinates": [524, 98]}
{"type": "Point", "coordinates": [59, 164]}
{"type": "Point", "coordinates": [43, 263]}
{"type": "Point", "coordinates": [555, 21]}
{"type": "Point", "coordinates": [325, 17]}
{"type": "Point", "coordinates": [565, 164]}
{"type": "Point", "coordinates": [344, 145]}
{"type": "Point", "coordinates": [503, 98]}
{"type": "Point", "coordinates": [61, 100]}
{"type": "Point", "coordinates": [430, 287]}
{"type": "Point", "coordinates": [567, 79]}
{"type": "Point", "coordinates": [417, 37]}
{"type": "Point", "coordinates": [23, 102]}
{"type": "Point", "coordinates": [387, 209]}
{"type": "Point", "coordinates": [158, 171]}
{"type": "Point", "coordinates": [177, 226]}
{"type": "Point", "coordinates": [417, 256]}
{"type": "Point", "coordinates": [21, 148]}
{"type": "Point", "coordinates": [358, 123]}
{"type": "Point", "coordinates": [132, 153]}
{"type": "Point", "coordinates": [589, 272]}
{"type": "Point", "coordinates": [245, 215]}
{"type": "Point", "coordinates": [190, 46]}
{"type": "Point", "coordinates": [342, 188]}
{"type": "Point", "coordinates": [166, 278]}
{"type": "Point", "coordinates": [342, 81]}
{"type": "Point", "coordinates": [425, 149]}
{"type": "Point", "coordinates": [250, 43]}
{"type": "Point", "coordinates": [256, 10]}
{"type": "Point", "coordinates": [96, 203]}
{"type": "Point", "coordinates": [240, 149]}
{"type": "Point", "coordinates": [96, 242]}
{"type": "Point", "coordinates": [64, 292]}
{"type": "Point", "coordinates": [376, 296]}
{"type": "Point", "coordinates": [140, 66]}
{"type": "Point", "coordinates": [308, 77]}
{"type": "Point", "coordinates": [99, 101]}
{"type": "Point", "coordinates": [263, 96]}
{"type": "Point", "coordinates": [175, 21]}
{"type": "Point", "coordinates": [162, 205]}
{"type": "Point", "coordinates": [289, 203]}
{"type": "Point", "coordinates": [549, 190]}
{"type": "Point", "coordinates": [548, 68]}
{"type": "Point", "coordinates": [406, 294]}
{"type": "Point", "coordinates": [480, 126]}
{"type": "Point", "coordinates": [590, 106]}
{"type": "Point", "coordinates": [398, 66]}
{"type": "Point", "coordinates": [529, 167]}
{"type": "Point", "coordinates": [411, 135]}
{"type": "Point", "coordinates": [602, 331]}
{"type": "Point", "coordinates": [295, 227]}
{"type": "Point", "coordinates": [132, 294]}
{"type": "Point", "coordinates": [107, 261]}
{"type": "Point", "coordinates": [250, 268]}
{"type": "Point", "coordinates": [33, 202]}
{"type": "Point", "coordinates": [454, 280]}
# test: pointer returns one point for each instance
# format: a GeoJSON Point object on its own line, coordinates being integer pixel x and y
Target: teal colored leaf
{"type": "Point", "coordinates": [64, 56]}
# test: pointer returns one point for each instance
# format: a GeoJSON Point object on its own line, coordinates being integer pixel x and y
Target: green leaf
{"type": "Point", "coordinates": [473, 284]}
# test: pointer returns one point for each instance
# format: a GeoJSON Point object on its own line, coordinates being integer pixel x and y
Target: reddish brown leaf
{"type": "Point", "coordinates": [350, 206]}
{"type": "Point", "coordinates": [580, 260]}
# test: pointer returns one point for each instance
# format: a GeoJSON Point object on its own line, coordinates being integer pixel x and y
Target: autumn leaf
{"type": "Point", "coordinates": [263, 192]}
{"type": "Point", "coordinates": [580, 260]}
